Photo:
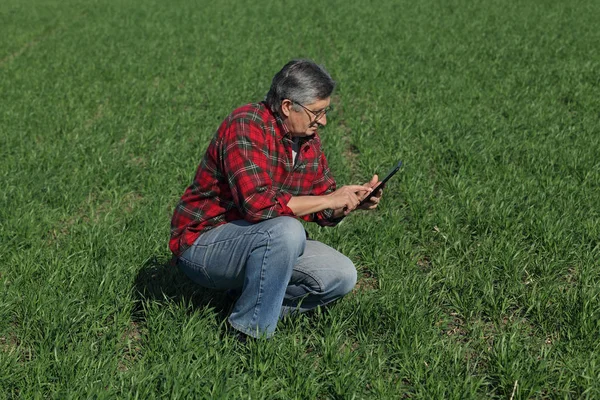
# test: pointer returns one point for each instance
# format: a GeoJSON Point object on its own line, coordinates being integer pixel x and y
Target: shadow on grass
{"type": "Point", "coordinates": [161, 281]}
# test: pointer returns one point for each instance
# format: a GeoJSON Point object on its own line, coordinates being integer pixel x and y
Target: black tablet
{"type": "Point", "coordinates": [382, 183]}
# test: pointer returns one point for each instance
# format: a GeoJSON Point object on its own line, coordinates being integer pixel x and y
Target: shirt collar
{"type": "Point", "coordinates": [282, 127]}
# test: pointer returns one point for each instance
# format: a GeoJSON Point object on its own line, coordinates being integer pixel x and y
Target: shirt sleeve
{"type": "Point", "coordinates": [247, 163]}
{"type": "Point", "coordinates": [323, 184]}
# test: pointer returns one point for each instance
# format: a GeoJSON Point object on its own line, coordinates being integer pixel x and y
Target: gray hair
{"type": "Point", "coordinates": [301, 81]}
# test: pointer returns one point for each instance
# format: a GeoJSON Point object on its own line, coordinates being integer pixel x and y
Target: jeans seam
{"type": "Point", "coordinates": [200, 264]}
{"type": "Point", "coordinates": [213, 243]}
{"type": "Point", "coordinates": [262, 276]}
{"type": "Point", "coordinates": [200, 268]}
{"type": "Point", "coordinates": [315, 277]}
{"type": "Point", "coordinates": [249, 332]}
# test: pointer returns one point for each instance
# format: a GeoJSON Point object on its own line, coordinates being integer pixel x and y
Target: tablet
{"type": "Point", "coordinates": [381, 184]}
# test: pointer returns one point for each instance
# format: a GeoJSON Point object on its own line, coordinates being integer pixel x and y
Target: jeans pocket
{"type": "Point", "coordinates": [192, 264]}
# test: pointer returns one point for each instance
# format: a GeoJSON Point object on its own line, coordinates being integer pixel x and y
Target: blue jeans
{"type": "Point", "coordinates": [276, 268]}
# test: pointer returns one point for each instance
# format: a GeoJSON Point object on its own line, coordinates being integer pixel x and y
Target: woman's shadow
{"type": "Point", "coordinates": [160, 280]}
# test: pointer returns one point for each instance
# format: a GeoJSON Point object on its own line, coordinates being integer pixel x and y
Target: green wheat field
{"type": "Point", "coordinates": [479, 275]}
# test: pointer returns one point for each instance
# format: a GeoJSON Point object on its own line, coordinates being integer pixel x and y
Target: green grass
{"type": "Point", "coordinates": [480, 272]}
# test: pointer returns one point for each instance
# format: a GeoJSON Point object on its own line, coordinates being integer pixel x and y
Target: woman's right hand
{"type": "Point", "coordinates": [348, 197]}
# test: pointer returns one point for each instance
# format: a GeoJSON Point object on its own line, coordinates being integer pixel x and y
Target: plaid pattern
{"type": "Point", "coordinates": [248, 173]}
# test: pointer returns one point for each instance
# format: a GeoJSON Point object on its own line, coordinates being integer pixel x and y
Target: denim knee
{"type": "Point", "coordinates": [288, 233]}
{"type": "Point", "coordinates": [346, 277]}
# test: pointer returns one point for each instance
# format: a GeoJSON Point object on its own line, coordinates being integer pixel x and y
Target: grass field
{"type": "Point", "coordinates": [479, 274]}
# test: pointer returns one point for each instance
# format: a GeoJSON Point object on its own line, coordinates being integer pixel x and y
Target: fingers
{"type": "Point", "coordinates": [373, 181]}
{"type": "Point", "coordinates": [373, 201]}
{"type": "Point", "coordinates": [371, 204]}
{"type": "Point", "coordinates": [357, 188]}
{"type": "Point", "coordinates": [352, 202]}
{"type": "Point", "coordinates": [351, 196]}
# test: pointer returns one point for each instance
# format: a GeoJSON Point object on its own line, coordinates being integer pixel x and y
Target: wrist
{"type": "Point", "coordinates": [328, 201]}
{"type": "Point", "coordinates": [337, 216]}
{"type": "Point", "coordinates": [338, 213]}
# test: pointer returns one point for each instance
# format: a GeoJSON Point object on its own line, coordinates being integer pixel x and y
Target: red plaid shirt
{"type": "Point", "coordinates": [248, 172]}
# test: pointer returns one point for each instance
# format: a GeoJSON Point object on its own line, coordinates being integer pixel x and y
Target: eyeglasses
{"type": "Point", "coordinates": [317, 114]}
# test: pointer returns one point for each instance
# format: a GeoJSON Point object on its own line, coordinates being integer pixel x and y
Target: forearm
{"type": "Point", "coordinates": [304, 205]}
{"type": "Point", "coordinates": [341, 202]}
